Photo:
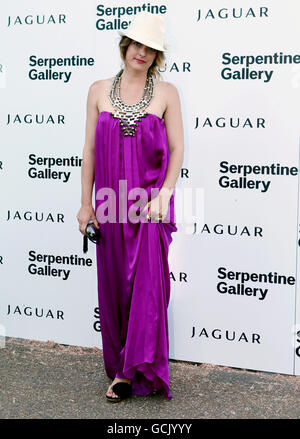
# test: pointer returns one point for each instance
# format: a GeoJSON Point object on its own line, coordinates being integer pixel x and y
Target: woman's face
{"type": "Point", "coordinates": [140, 56]}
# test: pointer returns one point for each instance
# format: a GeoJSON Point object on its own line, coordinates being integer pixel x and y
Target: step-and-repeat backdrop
{"type": "Point", "coordinates": [234, 268]}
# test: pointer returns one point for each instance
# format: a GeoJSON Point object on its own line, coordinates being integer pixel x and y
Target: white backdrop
{"type": "Point", "coordinates": [231, 118]}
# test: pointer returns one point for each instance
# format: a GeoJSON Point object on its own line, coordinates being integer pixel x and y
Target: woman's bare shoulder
{"type": "Point", "coordinates": [169, 91]}
{"type": "Point", "coordinates": [169, 87]}
{"type": "Point", "coordinates": [100, 85]}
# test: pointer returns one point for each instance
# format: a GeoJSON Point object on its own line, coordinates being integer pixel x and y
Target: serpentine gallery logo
{"type": "Point", "coordinates": [97, 323]}
{"type": "Point", "coordinates": [57, 266]}
{"type": "Point", "coordinates": [43, 67]}
{"type": "Point", "coordinates": [45, 167]}
{"type": "Point", "coordinates": [253, 177]}
{"type": "Point", "coordinates": [245, 67]}
{"type": "Point", "coordinates": [297, 347]}
{"type": "Point", "coordinates": [113, 18]}
{"type": "Point", "coordinates": [252, 284]}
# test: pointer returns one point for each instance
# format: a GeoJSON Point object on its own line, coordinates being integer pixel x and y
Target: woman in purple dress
{"type": "Point", "coordinates": [133, 152]}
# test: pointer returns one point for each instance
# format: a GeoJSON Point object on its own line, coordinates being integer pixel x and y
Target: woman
{"type": "Point", "coordinates": [134, 135]}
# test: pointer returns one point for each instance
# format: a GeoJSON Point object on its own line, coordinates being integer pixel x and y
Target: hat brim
{"type": "Point", "coordinates": [143, 41]}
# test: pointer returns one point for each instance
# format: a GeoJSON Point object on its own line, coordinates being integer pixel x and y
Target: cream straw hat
{"type": "Point", "coordinates": [148, 29]}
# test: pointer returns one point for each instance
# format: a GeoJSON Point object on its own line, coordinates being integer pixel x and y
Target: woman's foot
{"type": "Point", "coordinates": [116, 380]}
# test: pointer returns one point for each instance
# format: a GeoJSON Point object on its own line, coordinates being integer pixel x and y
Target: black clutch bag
{"type": "Point", "coordinates": [92, 233]}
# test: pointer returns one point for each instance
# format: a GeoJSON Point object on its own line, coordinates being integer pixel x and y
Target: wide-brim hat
{"type": "Point", "coordinates": [148, 29]}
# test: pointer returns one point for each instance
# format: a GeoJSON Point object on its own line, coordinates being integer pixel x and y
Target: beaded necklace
{"type": "Point", "coordinates": [129, 115]}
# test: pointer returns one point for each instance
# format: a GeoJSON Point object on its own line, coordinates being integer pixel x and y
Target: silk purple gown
{"type": "Point", "coordinates": [132, 258]}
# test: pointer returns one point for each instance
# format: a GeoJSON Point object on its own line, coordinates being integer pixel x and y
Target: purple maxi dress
{"type": "Point", "coordinates": [132, 258]}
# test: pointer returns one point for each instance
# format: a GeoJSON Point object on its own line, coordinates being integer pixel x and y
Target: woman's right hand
{"type": "Point", "coordinates": [84, 215]}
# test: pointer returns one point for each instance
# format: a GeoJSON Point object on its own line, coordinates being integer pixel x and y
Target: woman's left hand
{"type": "Point", "coordinates": [158, 207]}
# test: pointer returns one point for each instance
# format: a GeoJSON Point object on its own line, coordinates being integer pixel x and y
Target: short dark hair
{"type": "Point", "coordinates": [159, 61]}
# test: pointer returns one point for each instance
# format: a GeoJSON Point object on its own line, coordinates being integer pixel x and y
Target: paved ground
{"type": "Point", "coordinates": [52, 381]}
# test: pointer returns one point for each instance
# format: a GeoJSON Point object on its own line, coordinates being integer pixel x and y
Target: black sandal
{"type": "Point", "coordinates": [122, 390]}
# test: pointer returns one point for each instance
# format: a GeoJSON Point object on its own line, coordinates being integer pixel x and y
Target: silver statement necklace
{"type": "Point", "coordinates": [129, 115]}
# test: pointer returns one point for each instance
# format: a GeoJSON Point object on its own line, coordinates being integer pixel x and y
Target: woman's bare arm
{"type": "Point", "coordinates": [88, 163]}
{"type": "Point", "coordinates": [174, 126]}
{"type": "Point", "coordinates": [86, 212]}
